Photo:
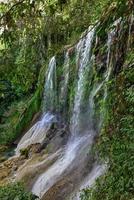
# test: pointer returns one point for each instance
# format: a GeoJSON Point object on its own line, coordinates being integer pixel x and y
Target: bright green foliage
{"type": "Point", "coordinates": [20, 113]}
{"type": "Point", "coordinates": [32, 31]}
{"type": "Point", "coordinates": [116, 141]}
{"type": "Point", "coordinates": [15, 192]}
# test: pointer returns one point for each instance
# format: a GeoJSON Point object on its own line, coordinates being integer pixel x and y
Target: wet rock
{"type": "Point", "coordinates": [3, 148]}
{"type": "Point", "coordinates": [5, 153]}
{"type": "Point", "coordinates": [63, 188]}
{"type": "Point", "coordinates": [2, 159]}
{"type": "Point", "coordinates": [30, 150]}
{"type": "Point", "coordinates": [33, 167]}
{"type": "Point", "coordinates": [8, 168]}
{"type": "Point", "coordinates": [55, 138]}
{"type": "Point", "coordinates": [4, 173]}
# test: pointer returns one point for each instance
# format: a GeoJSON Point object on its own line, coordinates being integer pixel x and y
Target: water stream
{"type": "Point", "coordinates": [75, 165]}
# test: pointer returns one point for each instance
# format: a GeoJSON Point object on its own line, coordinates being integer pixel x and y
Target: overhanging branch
{"type": "Point", "coordinates": [12, 7]}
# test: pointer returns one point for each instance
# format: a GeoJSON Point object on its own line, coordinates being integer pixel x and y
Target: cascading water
{"type": "Point", "coordinates": [83, 56]}
{"type": "Point", "coordinates": [46, 180]}
{"type": "Point", "coordinates": [73, 163]}
{"type": "Point", "coordinates": [38, 132]}
{"type": "Point", "coordinates": [50, 97]}
{"type": "Point", "coordinates": [64, 84]}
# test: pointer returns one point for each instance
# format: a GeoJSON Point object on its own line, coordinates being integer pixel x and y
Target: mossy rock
{"type": "Point", "coordinates": [24, 152]}
{"type": "Point", "coordinates": [3, 148]}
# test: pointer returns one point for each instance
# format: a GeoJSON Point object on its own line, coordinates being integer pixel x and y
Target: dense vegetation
{"type": "Point", "coordinates": [32, 31]}
{"type": "Point", "coordinates": [15, 191]}
{"type": "Point", "coordinates": [115, 144]}
{"type": "Point", "coordinates": [116, 141]}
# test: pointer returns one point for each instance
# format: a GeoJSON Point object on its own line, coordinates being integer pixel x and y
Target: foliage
{"type": "Point", "coordinates": [15, 191]}
{"type": "Point", "coordinates": [116, 141]}
{"type": "Point", "coordinates": [20, 113]}
{"type": "Point", "coordinates": [24, 152]}
{"type": "Point", "coordinates": [29, 32]}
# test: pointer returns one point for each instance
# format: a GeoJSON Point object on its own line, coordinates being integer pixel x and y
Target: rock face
{"type": "Point", "coordinates": [9, 167]}
{"type": "Point", "coordinates": [16, 167]}
{"type": "Point", "coordinates": [37, 133]}
{"type": "Point", "coordinates": [3, 148]}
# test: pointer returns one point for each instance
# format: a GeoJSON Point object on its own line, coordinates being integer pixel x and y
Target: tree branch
{"type": "Point", "coordinates": [12, 7]}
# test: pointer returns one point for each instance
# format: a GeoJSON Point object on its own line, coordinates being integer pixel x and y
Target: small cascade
{"type": "Point", "coordinates": [57, 170]}
{"type": "Point", "coordinates": [109, 62]}
{"type": "Point", "coordinates": [64, 83]}
{"type": "Point", "coordinates": [103, 84]}
{"type": "Point", "coordinates": [37, 133]}
{"type": "Point", "coordinates": [89, 181]}
{"type": "Point", "coordinates": [50, 96]}
{"type": "Point", "coordinates": [83, 57]}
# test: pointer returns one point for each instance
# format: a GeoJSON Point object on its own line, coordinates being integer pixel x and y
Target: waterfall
{"type": "Point", "coordinates": [37, 133]}
{"type": "Point", "coordinates": [109, 62]}
{"type": "Point", "coordinates": [83, 57]}
{"type": "Point", "coordinates": [53, 174]}
{"type": "Point", "coordinates": [64, 83]}
{"type": "Point", "coordinates": [97, 171]}
{"type": "Point", "coordinates": [50, 98]}
{"type": "Point", "coordinates": [74, 160]}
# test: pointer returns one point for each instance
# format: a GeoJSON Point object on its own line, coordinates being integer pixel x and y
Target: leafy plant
{"type": "Point", "coordinates": [116, 142]}
{"type": "Point", "coordinates": [15, 191]}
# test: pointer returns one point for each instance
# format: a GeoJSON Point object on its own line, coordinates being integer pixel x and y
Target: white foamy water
{"type": "Point", "coordinates": [54, 173]}
{"type": "Point", "coordinates": [83, 56]}
{"type": "Point", "coordinates": [76, 143]}
{"type": "Point", "coordinates": [50, 97]}
{"type": "Point", "coordinates": [37, 133]}
{"type": "Point", "coordinates": [89, 181]}
{"type": "Point", "coordinates": [64, 83]}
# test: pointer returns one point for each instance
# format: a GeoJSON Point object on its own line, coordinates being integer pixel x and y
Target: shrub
{"type": "Point", "coordinates": [15, 191]}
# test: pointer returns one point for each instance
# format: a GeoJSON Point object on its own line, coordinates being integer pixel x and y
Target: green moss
{"type": "Point", "coordinates": [20, 113]}
{"type": "Point", "coordinates": [116, 142]}
{"type": "Point", "coordinates": [72, 84]}
{"type": "Point", "coordinates": [24, 152]}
